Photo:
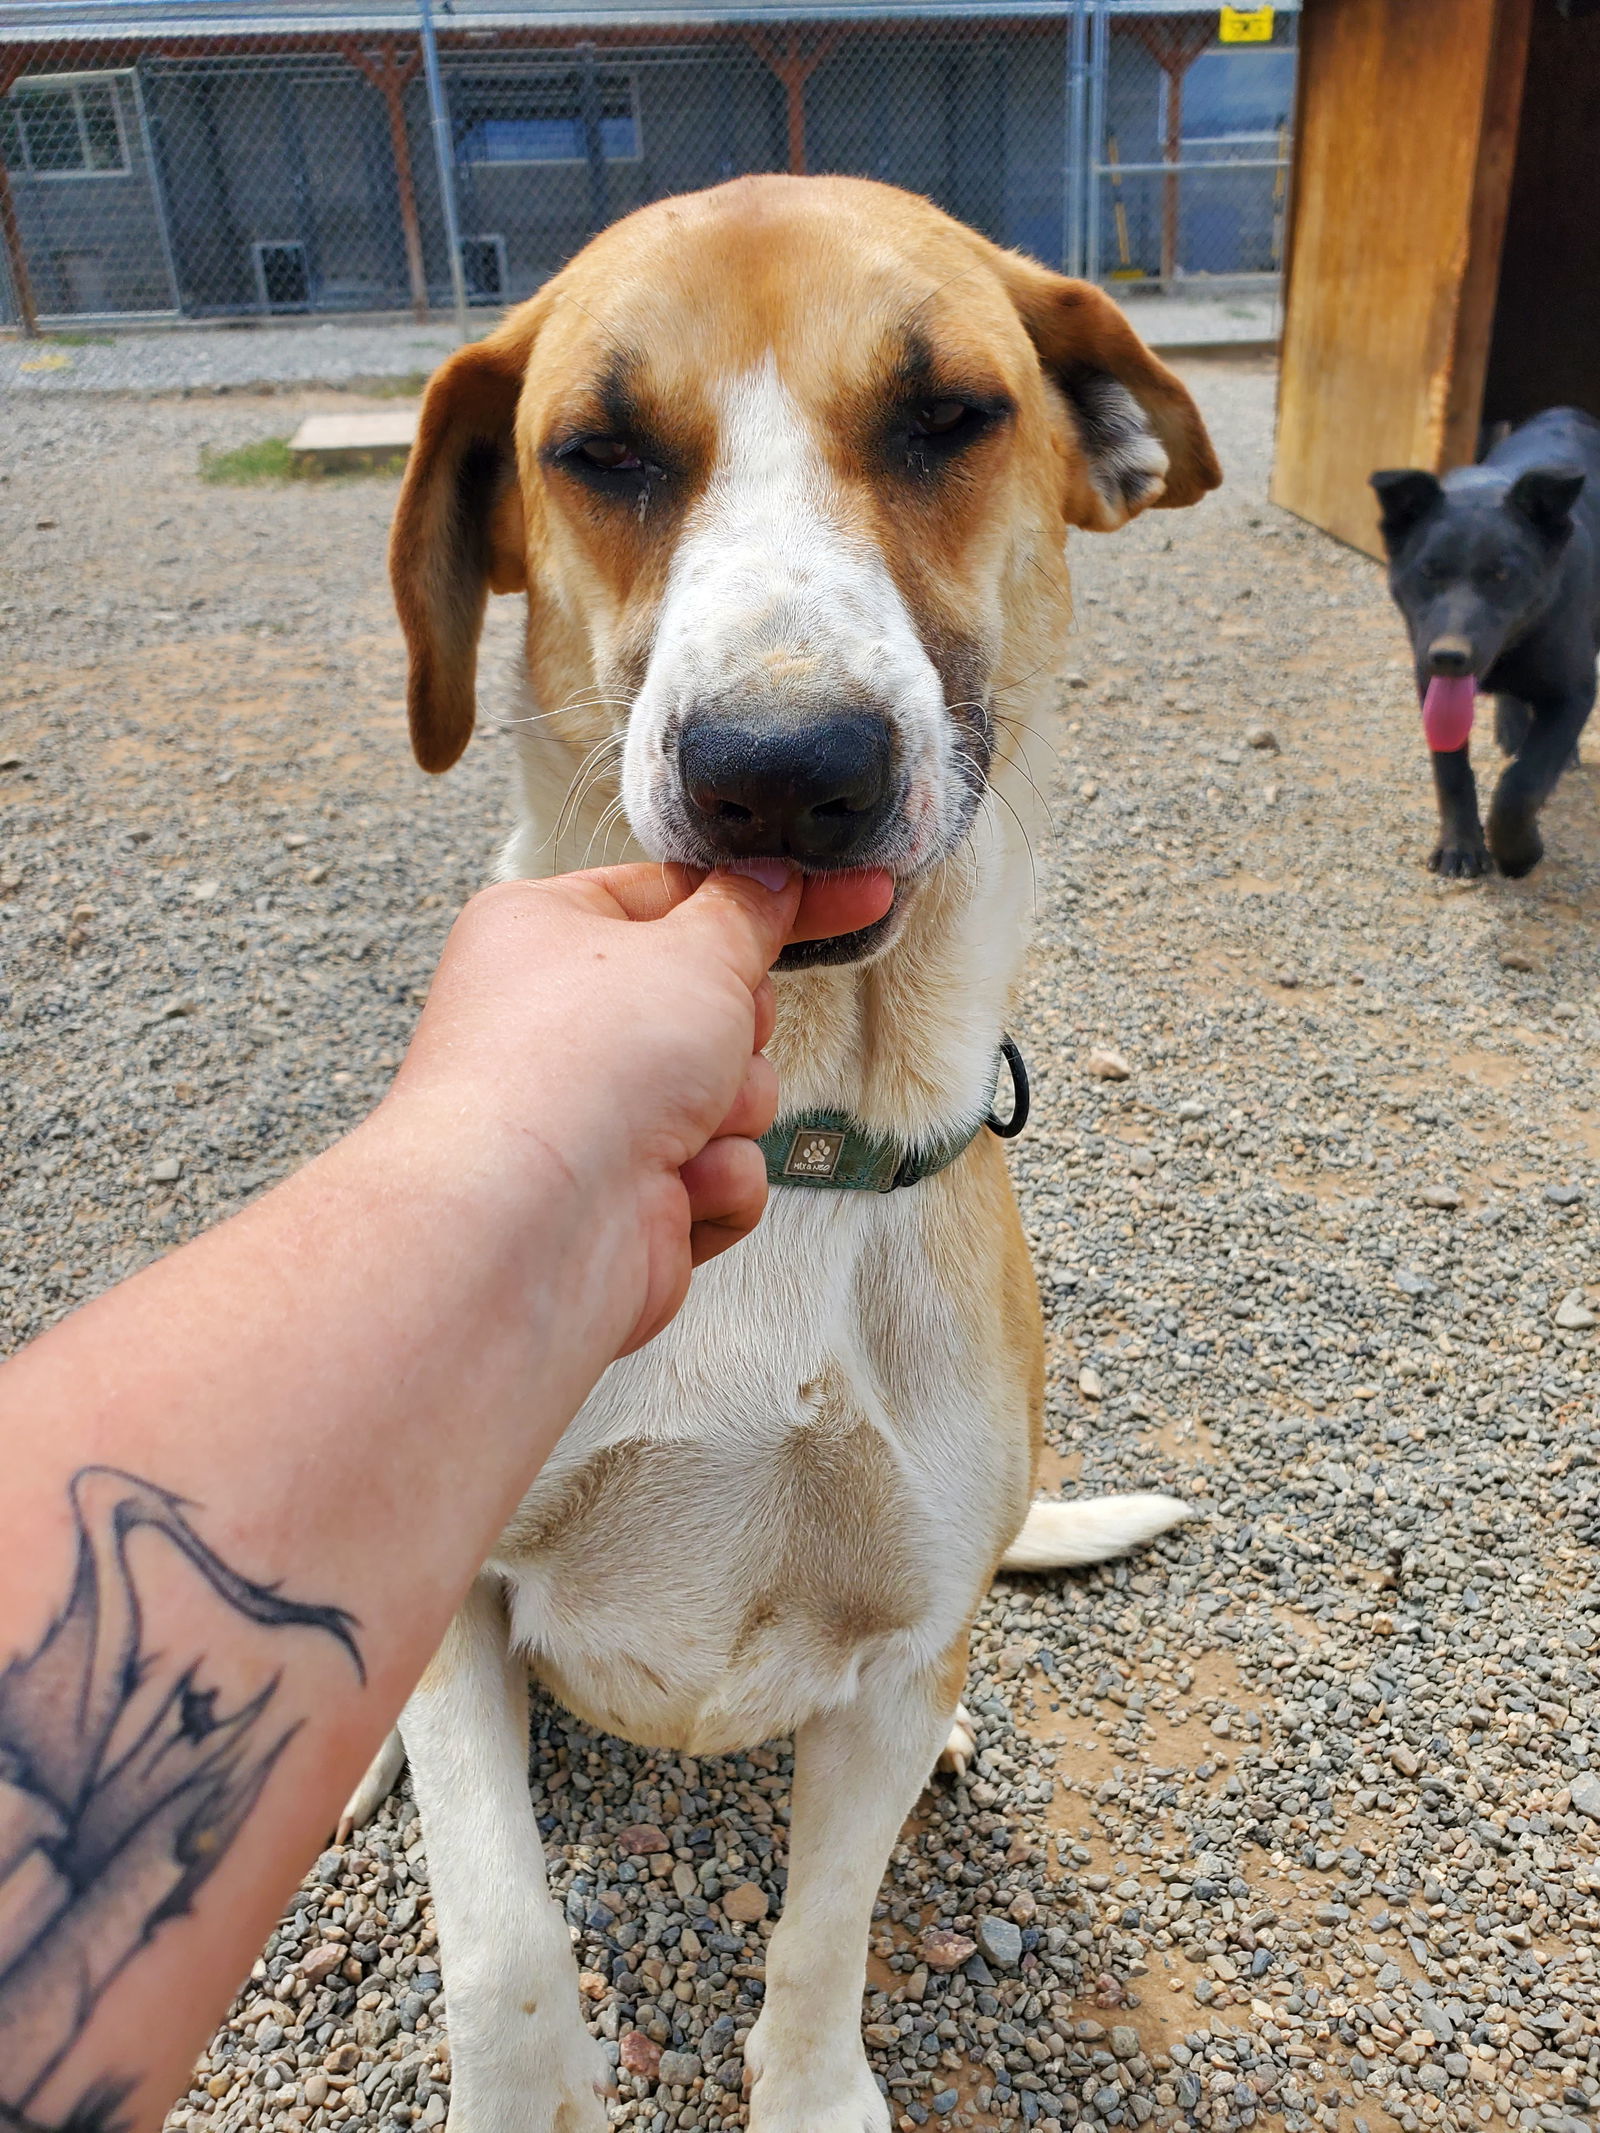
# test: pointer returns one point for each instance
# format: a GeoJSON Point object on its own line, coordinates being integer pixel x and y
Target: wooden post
{"type": "Point", "coordinates": [1174, 46]}
{"type": "Point", "coordinates": [794, 63]}
{"type": "Point", "coordinates": [1388, 316]}
{"type": "Point", "coordinates": [11, 229]}
{"type": "Point", "coordinates": [389, 75]}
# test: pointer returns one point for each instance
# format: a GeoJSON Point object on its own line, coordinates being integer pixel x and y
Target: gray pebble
{"type": "Point", "coordinates": [1000, 1941]}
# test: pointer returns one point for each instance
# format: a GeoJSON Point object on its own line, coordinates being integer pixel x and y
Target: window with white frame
{"type": "Point", "coordinates": [542, 119]}
{"type": "Point", "coordinates": [61, 126]}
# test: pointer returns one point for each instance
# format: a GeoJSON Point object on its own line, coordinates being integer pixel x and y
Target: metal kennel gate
{"type": "Point", "coordinates": [223, 159]}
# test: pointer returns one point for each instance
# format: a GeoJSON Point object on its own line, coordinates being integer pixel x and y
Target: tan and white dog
{"type": "Point", "coordinates": [784, 471]}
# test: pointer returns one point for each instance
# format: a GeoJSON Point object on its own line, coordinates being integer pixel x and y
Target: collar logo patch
{"type": "Point", "coordinates": [813, 1154]}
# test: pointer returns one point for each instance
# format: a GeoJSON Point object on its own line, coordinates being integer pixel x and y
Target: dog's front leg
{"type": "Point", "coordinates": [1530, 778]}
{"type": "Point", "coordinates": [857, 1774]}
{"type": "Point", "coordinates": [521, 2059]}
{"type": "Point", "coordinates": [1461, 850]}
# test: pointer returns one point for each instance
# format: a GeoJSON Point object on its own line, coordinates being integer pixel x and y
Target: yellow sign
{"type": "Point", "coordinates": [1245, 25]}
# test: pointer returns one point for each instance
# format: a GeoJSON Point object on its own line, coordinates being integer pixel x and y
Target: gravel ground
{"type": "Point", "coordinates": [235, 359]}
{"type": "Point", "coordinates": [222, 359]}
{"type": "Point", "coordinates": [1294, 1817]}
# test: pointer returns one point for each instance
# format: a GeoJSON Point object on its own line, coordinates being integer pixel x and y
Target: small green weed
{"type": "Point", "coordinates": [268, 459]}
{"type": "Point", "coordinates": [82, 340]}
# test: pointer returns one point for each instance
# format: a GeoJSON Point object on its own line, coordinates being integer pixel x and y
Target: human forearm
{"type": "Point", "coordinates": [288, 1378]}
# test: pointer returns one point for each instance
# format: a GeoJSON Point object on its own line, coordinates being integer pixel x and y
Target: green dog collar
{"type": "Point", "coordinates": [830, 1149]}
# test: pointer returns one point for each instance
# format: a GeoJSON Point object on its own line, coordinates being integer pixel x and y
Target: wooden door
{"type": "Point", "coordinates": [1405, 137]}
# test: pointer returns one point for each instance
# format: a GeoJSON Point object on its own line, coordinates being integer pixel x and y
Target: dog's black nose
{"type": "Point", "coordinates": [813, 788]}
{"type": "Point", "coordinates": [1450, 657]}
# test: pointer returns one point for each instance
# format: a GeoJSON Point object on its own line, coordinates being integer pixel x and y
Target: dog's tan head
{"type": "Point", "coordinates": [785, 470]}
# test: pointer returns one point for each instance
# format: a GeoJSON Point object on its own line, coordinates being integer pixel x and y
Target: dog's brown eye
{"type": "Point", "coordinates": [937, 418]}
{"type": "Point", "coordinates": [612, 455]}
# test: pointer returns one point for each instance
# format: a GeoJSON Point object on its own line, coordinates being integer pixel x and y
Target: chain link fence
{"type": "Point", "coordinates": [240, 162]}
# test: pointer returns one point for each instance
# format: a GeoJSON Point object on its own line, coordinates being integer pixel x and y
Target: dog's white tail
{"type": "Point", "coordinates": [1057, 1536]}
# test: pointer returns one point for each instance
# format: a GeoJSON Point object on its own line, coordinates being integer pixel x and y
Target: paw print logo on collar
{"type": "Point", "coordinates": [813, 1154]}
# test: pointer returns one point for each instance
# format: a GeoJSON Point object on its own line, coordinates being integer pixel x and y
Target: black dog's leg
{"type": "Point", "coordinates": [1512, 718]}
{"type": "Point", "coordinates": [1460, 850]}
{"type": "Point", "coordinates": [1530, 779]}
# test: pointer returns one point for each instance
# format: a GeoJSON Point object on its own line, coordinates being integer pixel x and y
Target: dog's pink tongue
{"type": "Point", "coordinates": [1447, 712]}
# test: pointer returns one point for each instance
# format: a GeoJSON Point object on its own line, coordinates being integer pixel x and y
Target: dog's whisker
{"type": "Point", "coordinates": [1027, 776]}
{"type": "Point", "coordinates": [607, 823]}
{"type": "Point", "coordinates": [1027, 842]}
{"type": "Point", "coordinates": [1010, 688]}
{"type": "Point", "coordinates": [584, 778]}
{"type": "Point", "coordinates": [577, 791]}
{"type": "Point", "coordinates": [578, 703]}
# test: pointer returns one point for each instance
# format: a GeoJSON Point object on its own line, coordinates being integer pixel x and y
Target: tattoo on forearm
{"type": "Point", "coordinates": [130, 1758]}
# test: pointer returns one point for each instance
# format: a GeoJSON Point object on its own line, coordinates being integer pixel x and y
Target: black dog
{"type": "Point", "coordinates": [1496, 570]}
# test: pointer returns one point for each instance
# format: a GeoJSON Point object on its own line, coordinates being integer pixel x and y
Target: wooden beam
{"type": "Point", "coordinates": [10, 228]}
{"type": "Point", "coordinates": [1174, 45]}
{"type": "Point", "coordinates": [389, 74]}
{"type": "Point", "coordinates": [794, 62]}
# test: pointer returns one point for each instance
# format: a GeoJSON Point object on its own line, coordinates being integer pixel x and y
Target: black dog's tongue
{"type": "Point", "coordinates": [1447, 712]}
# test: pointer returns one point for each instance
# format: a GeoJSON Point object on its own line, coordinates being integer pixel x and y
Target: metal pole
{"type": "Point", "coordinates": [1074, 182]}
{"type": "Point", "coordinates": [444, 150]}
{"type": "Point", "coordinates": [1099, 67]}
{"type": "Point", "coordinates": [158, 188]}
{"type": "Point", "coordinates": [594, 146]}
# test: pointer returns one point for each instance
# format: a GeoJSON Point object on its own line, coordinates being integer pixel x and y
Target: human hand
{"type": "Point", "coordinates": [605, 1030]}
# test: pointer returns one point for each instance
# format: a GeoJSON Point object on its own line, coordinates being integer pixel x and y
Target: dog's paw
{"type": "Point", "coordinates": [1516, 845]}
{"type": "Point", "coordinates": [1460, 862]}
{"type": "Point", "coordinates": [536, 2077]}
{"type": "Point", "coordinates": [800, 2091]}
{"type": "Point", "coordinates": [955, 1757]}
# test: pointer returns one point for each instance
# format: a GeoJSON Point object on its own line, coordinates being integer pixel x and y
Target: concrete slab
{"type": "Point", "coordinates": [1173, 323]}
{"type": "Point", "coordinates": [332, 444]}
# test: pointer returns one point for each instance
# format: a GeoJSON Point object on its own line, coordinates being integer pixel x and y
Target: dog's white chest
{"type": "Point", "coordinates": [750, 1513]}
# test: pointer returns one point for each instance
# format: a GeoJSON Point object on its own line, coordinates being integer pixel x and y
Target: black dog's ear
{"type": "Point", "coordinates": [1545, 497]}
{"type": "Point", "coordinates": [1405, 496]}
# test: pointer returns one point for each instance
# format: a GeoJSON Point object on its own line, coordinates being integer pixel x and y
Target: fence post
{"type": "Point", "coordinates": [1099, 68]}
{"type": "Point", "coordinates": [11, 229]}
{"type": "Point", "coordinates": [594, 146]}
{"type": "Point", "coordinates": [1074, 179]}
{"type": "Point", "coordinates": [444, 149]}
{"type": "Point", "coordinates": [1174, 47]}
{"type": "Point", "coordinates": [794, 63]}
{"type": "Point", "coordinates": [389, 74]}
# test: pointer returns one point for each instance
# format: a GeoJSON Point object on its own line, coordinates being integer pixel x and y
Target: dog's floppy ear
{"type": "Point", "coordinates": [1545, 497]}
{"type": "Point", "coordinates": [458, 532]}
{"type": "Point", "coordinates": [1405, 497]}
{"type": "Point", "coordinates": [1142, 437]}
